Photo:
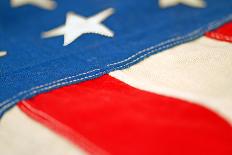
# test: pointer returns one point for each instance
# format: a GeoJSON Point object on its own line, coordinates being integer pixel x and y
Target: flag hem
{"type": "Point", "coordinates": [95, 73]}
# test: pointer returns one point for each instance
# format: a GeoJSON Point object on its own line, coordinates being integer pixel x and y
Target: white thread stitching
{"type": "Point", "coordinates": [68, 82]}
{"type": "Point", "coordinates": [142, 51]}
{"type": "Point", "coordinates": [152, 47]}
{"type": "Point", "coordinates": [49, 87]}
{"type": "Point", "coordinates": [44, 85]}
{"type": "Point", "coordinates": [173, 39]}
{"type": "Point", "coordinates": [211, 25]}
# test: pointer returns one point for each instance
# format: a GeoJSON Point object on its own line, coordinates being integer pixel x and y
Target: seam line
{"type": "Point", "coordinates": [153, 49]}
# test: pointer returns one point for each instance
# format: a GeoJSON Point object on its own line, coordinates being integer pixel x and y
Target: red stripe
{"type": "Point", "coordinates": [106, 114]}
{"type": "Point", "coordinates": [223, 33]}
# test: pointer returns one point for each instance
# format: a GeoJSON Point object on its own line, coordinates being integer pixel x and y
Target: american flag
{"type": "Point", "coordinates": [115, 77]}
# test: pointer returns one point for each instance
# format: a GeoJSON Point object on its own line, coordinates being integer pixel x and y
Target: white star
{"type": "Point", "coordinates": [45, 4]}
{"type": "Point", "coordinates": [2, 53]}
{"type": "Point", "coordinates": [191, 3]}
{"type": "Point", "coordinates": [77, 25]}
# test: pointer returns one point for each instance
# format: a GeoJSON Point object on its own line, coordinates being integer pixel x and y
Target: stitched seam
{"type": "Point", "coordinates": [49, 87]}
{"type": "Point", "coordinates": [44, 85]}
{"type": "Point", "coordinates": [80, 79]}
{"type": "Point", "coordinates": [152, 47]}
{"type": "Point", "coordinates": [57, 81]}
{"type": "Point", "coordinates": [154, 51]}
{"type": "Point", "coordinates": [9, 102]}
{"type": "Point", "coordinates": [34, 88]}
{"type": "Point", "coordinates": [142, 51]}
{"type": "Point", "coordinates": [147, 49]}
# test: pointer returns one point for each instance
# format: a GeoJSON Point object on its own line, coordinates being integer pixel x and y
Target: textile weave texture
{"type": "Point", "coordinates": [34, 65]}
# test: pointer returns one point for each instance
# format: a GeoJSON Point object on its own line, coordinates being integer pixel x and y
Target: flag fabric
{"type": "Point", "coordinates": [46, 44]}
{"type": "Point", "coordinates": [120, 119]}
{"type": "Point", "coordinates": [19, 135]}
{"type": "Point", "coordinates": [139, 110]}
{"type": "Point", "coordinates": [119, 94]}
{"type": "Point", "coordinates": [198, 71]}
{"type": "Point", "coordinates": [224, 33]}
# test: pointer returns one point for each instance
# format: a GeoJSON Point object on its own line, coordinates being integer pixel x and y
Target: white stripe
{"type": "Point", "coordinates": [198, 71]}
{"type": "Point", "coordinates": [19, 135]}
